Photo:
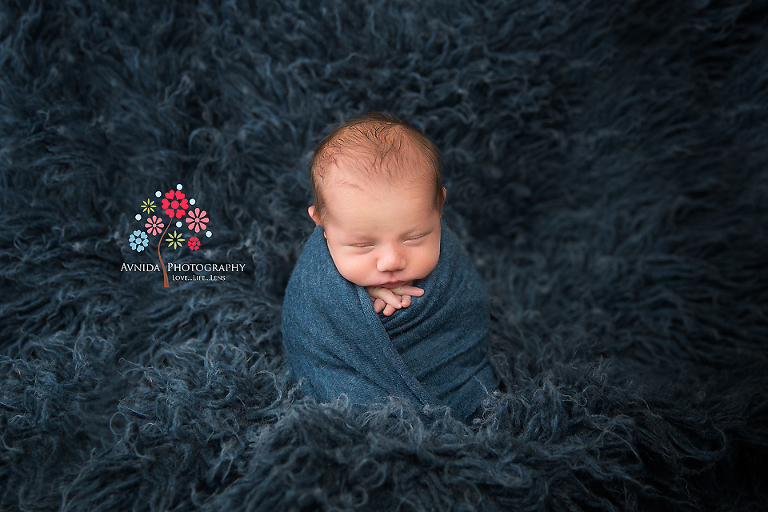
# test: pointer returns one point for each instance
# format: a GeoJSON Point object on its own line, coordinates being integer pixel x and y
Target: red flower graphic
{"type": "Point", "coordinates": [154, 225]}
{"type": "Point", "coordinates": [194, 243]}
{"type": "Point", "coordinates": [175, 204]}
{"type": "Point", "coordinates": [197, 219]}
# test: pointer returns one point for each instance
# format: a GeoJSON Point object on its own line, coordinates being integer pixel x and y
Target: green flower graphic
{"type": "Point", "coordinates": [175, 240]}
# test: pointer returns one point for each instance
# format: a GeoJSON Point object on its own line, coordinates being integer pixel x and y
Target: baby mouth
{"type": "Point", "coordinates": [393, 284]}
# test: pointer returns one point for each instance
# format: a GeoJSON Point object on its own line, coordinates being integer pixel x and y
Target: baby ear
{"type": "Point", "coordinates": [314, 215]}
{"type": "Point", "coordinates": [442, 203]}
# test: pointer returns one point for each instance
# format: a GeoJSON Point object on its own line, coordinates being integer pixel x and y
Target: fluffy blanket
{"type": "Point", "coordinates": [607, 172]}
{"type": "Point", "coordinates": [432, 353]}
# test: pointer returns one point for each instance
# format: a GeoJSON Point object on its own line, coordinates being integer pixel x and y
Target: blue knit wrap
{"type": "Point", "coordinates": [433, 352]}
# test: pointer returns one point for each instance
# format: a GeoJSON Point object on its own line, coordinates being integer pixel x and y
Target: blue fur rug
{"type": "Point", "coordinates": [607, 169]}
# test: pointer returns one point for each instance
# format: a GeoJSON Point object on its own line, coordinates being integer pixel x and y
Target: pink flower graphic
{"type": "Point", "coordinates": [154, 225]}
{"type": "Point", "coordinates": [175, 204]}
{"type": "Point", "coordinates": [194, 243]}
{"type": "Point", "coordinates": [197, 219]}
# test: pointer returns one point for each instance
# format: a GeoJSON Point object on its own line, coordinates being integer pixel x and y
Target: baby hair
{"type": "Point", "coordinates": [383, 148]}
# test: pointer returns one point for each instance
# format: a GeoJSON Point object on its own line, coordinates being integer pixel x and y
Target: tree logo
{"type": "Point", "coordinates": [172, 208]}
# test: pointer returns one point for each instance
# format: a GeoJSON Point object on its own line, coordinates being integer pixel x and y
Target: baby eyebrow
{"type": "Point", "coordinates": [357, 239]}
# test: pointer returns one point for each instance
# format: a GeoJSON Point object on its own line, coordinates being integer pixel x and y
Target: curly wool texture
{"type": "Point", "coordinates": [607, 169]}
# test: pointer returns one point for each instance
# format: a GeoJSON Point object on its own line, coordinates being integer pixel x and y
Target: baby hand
{"type": "Point", "coordinates": [390, 300]}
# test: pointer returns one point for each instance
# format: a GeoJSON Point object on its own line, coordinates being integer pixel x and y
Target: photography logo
{"type": "Point", "coordinates": [179, 223]}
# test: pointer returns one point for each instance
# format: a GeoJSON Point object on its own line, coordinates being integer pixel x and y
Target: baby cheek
{"type": "Point", "coordinates": [355, 269]}
{"type": "Point", "coordinates": [427, 261]}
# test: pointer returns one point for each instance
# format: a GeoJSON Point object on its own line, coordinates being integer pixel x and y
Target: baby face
{"type": "Point", "coordinates": [384, 236]}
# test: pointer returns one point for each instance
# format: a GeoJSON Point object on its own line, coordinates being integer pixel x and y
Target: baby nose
{"type": "Point", "coordinates": [390, 260]}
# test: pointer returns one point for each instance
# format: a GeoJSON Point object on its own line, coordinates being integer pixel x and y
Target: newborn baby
{"type": "Point", "coordinates": [377, 304]}
{"type": "Point", "coordinates": [378, 198]}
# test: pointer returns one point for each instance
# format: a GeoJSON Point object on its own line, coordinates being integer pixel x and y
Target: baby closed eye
{"type": "Point", "coordinates": [369, 245]}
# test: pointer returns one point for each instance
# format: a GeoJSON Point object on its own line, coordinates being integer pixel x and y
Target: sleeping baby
{"type": "Point", "coordinates": [383, 300]}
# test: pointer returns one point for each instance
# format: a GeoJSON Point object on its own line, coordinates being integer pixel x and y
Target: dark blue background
{"type": "Point", "coordinates": [607, 169]}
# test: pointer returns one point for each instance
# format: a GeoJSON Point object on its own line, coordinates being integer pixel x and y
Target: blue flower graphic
{"type": "Point", "coordinates": [138, 240]}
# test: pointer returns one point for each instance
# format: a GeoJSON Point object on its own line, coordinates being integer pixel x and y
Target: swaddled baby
{"type": "Point", "coordinates": [383, 300]}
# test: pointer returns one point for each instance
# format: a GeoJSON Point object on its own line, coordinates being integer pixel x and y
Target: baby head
{"type": "Point", "coordinates": [378, 197]}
